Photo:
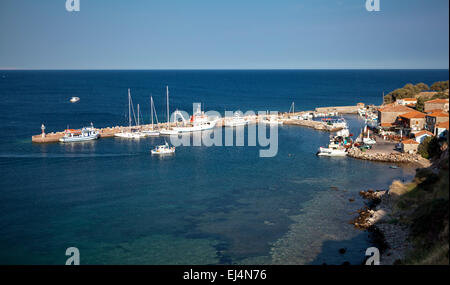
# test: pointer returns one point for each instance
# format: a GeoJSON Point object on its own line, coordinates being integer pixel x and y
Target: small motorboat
{"type": "Point", "coordinates": [74, 99]}
{"type": "Point", "coordinates": [163, 149]}
{"type": "Point", "coordinates": [332, 151]}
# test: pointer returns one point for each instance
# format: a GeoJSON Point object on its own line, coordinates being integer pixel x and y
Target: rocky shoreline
{"type": "Point", "coordinates": [377, 217]}
{"type": "Point", "coordinates": [389, 157]}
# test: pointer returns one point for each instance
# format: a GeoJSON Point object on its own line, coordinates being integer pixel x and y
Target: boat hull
{"type": "Point", "coordinates": [130, 135]}
{"type": "Point", "coordinates": [78, 139]}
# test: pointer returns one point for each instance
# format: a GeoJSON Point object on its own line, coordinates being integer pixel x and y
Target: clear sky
{"type": "Point", "coordinates": [223, 34]}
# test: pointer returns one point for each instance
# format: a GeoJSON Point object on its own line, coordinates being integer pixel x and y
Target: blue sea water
{"type": "Point", "coordinates": [206, 205]}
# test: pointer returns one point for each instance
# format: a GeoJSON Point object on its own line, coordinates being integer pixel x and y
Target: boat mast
{"type": "Point", "coordinates": [129, 107]}
{"type": "Point", "coordinates": [151, 108]}
{"type": "Point", "coordinates": [167, 98]}
{"type": "Point", "coordinates": [138, 115]}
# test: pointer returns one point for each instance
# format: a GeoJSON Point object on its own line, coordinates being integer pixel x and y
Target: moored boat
{"type": "Point", "coordinates": [85, 134]}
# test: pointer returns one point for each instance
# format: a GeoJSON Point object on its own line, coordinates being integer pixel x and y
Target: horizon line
{"type": "Point", "coordinates": [204, 69]}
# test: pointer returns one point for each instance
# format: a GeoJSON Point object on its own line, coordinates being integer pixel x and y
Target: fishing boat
{"type": "Point", "coordinates": [152, 132]}
{"type": "Point", "coordinates": [85, 134]}
{"type": "Point", "coordinates": [163, 149]}
{"type": "Point", "coordinates": [74, 99]}
{"type": "Point", "coordinates": [199, 121]}
{"type": "Point", "coordinates": [132, 133]}
{"type": "Point", "coordinates": [235, 121]}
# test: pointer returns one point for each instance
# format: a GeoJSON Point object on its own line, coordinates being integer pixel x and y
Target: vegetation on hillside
{"type": "Point", "coordinates": [424, 207]}
{"type": "Point", "coordinates": [411, 91]}
{"type": "Point", "coordinates": [439, 86]}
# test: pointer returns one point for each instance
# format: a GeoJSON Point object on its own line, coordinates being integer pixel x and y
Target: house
{"type": "Point", "coordinates": [436, 104]}
{"type": "Point", "coordinates": [413, 120]}
{"type": "Point", "coordinates": [434, 118]}
{"type": "Point", "coordinates": [421, 135]}
{"type": "Point", "coordinates": [407, 102]}
{"type": "Point", "coordinates": [387, 114]}
{"type": "Point", "coordinates": [409, 146]}
{"type": "Point", "coordinates": [441, 129]}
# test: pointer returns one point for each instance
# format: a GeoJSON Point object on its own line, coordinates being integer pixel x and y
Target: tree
{"type": "Point", "coordinates": [439, 86]}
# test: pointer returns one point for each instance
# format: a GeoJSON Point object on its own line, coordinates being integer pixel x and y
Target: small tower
{"type": "Point", "coordinates": [43, 130]}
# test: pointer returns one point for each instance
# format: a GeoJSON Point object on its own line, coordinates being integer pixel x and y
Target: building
{"type": "Point", "coordinates": [422, 135]}
{"type": "Point", "coordinates": [409, 146]}
{"type": "Point", "coordinates": [411, 102]}
{"type": "Point", "coordinates": [441, 129]}
{"type": "Point", "coordinates": [436, 104]}
{"type": "Point", "coordinates": [387, 114]}
{"type": "Point", "coordinates": [435, 118]}
{"type": "Point", "coordinates": [414, 120]}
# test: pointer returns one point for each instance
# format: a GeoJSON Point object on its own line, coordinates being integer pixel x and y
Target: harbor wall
{"type": "Point", "coordinates": [339, 109]}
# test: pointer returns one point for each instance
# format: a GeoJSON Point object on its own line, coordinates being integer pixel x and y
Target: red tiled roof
{"type": "Point", "coordinates": [410, 141]}
{"type": "Point", "coordinates": [413, 114]}
{"type": "Point", "coordinates": [437, 101]}
{"type": "Point", "coordinates": [409, 99]}
{"type": "Point", "coordinates": [387, 125]}
{"type": "Point", "coordinates": [395, 108]}
{"type": "Point", "coordinates": [438, 114]}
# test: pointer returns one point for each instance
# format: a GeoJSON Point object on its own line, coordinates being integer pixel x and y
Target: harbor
{"type": "Point", "coordinates": [301, 118]}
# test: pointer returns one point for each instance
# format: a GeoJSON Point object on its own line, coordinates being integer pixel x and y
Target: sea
{"type": "Point", "coordinates": [118, 204]}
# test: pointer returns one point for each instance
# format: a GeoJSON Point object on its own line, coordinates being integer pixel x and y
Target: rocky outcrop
{"type": "Point", "coordinates": [388, 157]}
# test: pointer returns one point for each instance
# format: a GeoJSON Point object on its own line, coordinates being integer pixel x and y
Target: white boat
{"type": "Point", "coordinates": [131, 135]}
{"type": "Point", "coordinates": [85, 134]}
{"type": "Point", "coordinates": [199, 121]}
{"type": "Point", "coordinates": [336, 123]}
{"type": "Point", "coordinates": [152, 132]}
{"type": "Point", "coordinates": [136, 134]}
{"type": "Point", "coordinates": [368, 140]}
{"type": "Point", "coordinates": [236, 121]}
{"type": "Point", "coordinates": [163, 149]}
{"type": "Point", "coordinates": [272, 120]}
{"type": "Point", "coordinates": [332, 150]}
{"type": "Point", "coordinates": [74, 99]}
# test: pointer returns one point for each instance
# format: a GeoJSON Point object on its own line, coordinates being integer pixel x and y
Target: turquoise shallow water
{"type": "Point", "coordinates": [205, 205]}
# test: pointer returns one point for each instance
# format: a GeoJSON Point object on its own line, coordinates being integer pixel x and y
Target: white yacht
{"type": "Point", "coordinates": [235, 121]}
{"type": "Point", "coordinates": [131, 134]}
{"type": "Point", "coordinates": [163, 149]}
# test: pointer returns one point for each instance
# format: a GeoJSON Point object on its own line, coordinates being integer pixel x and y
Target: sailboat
{"type": "Point", "coordinates": [168, 130]}
{"type": "Point", "coordinates": [152, 132]}
{"type": "Point", "coordinates": [130, 134]}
